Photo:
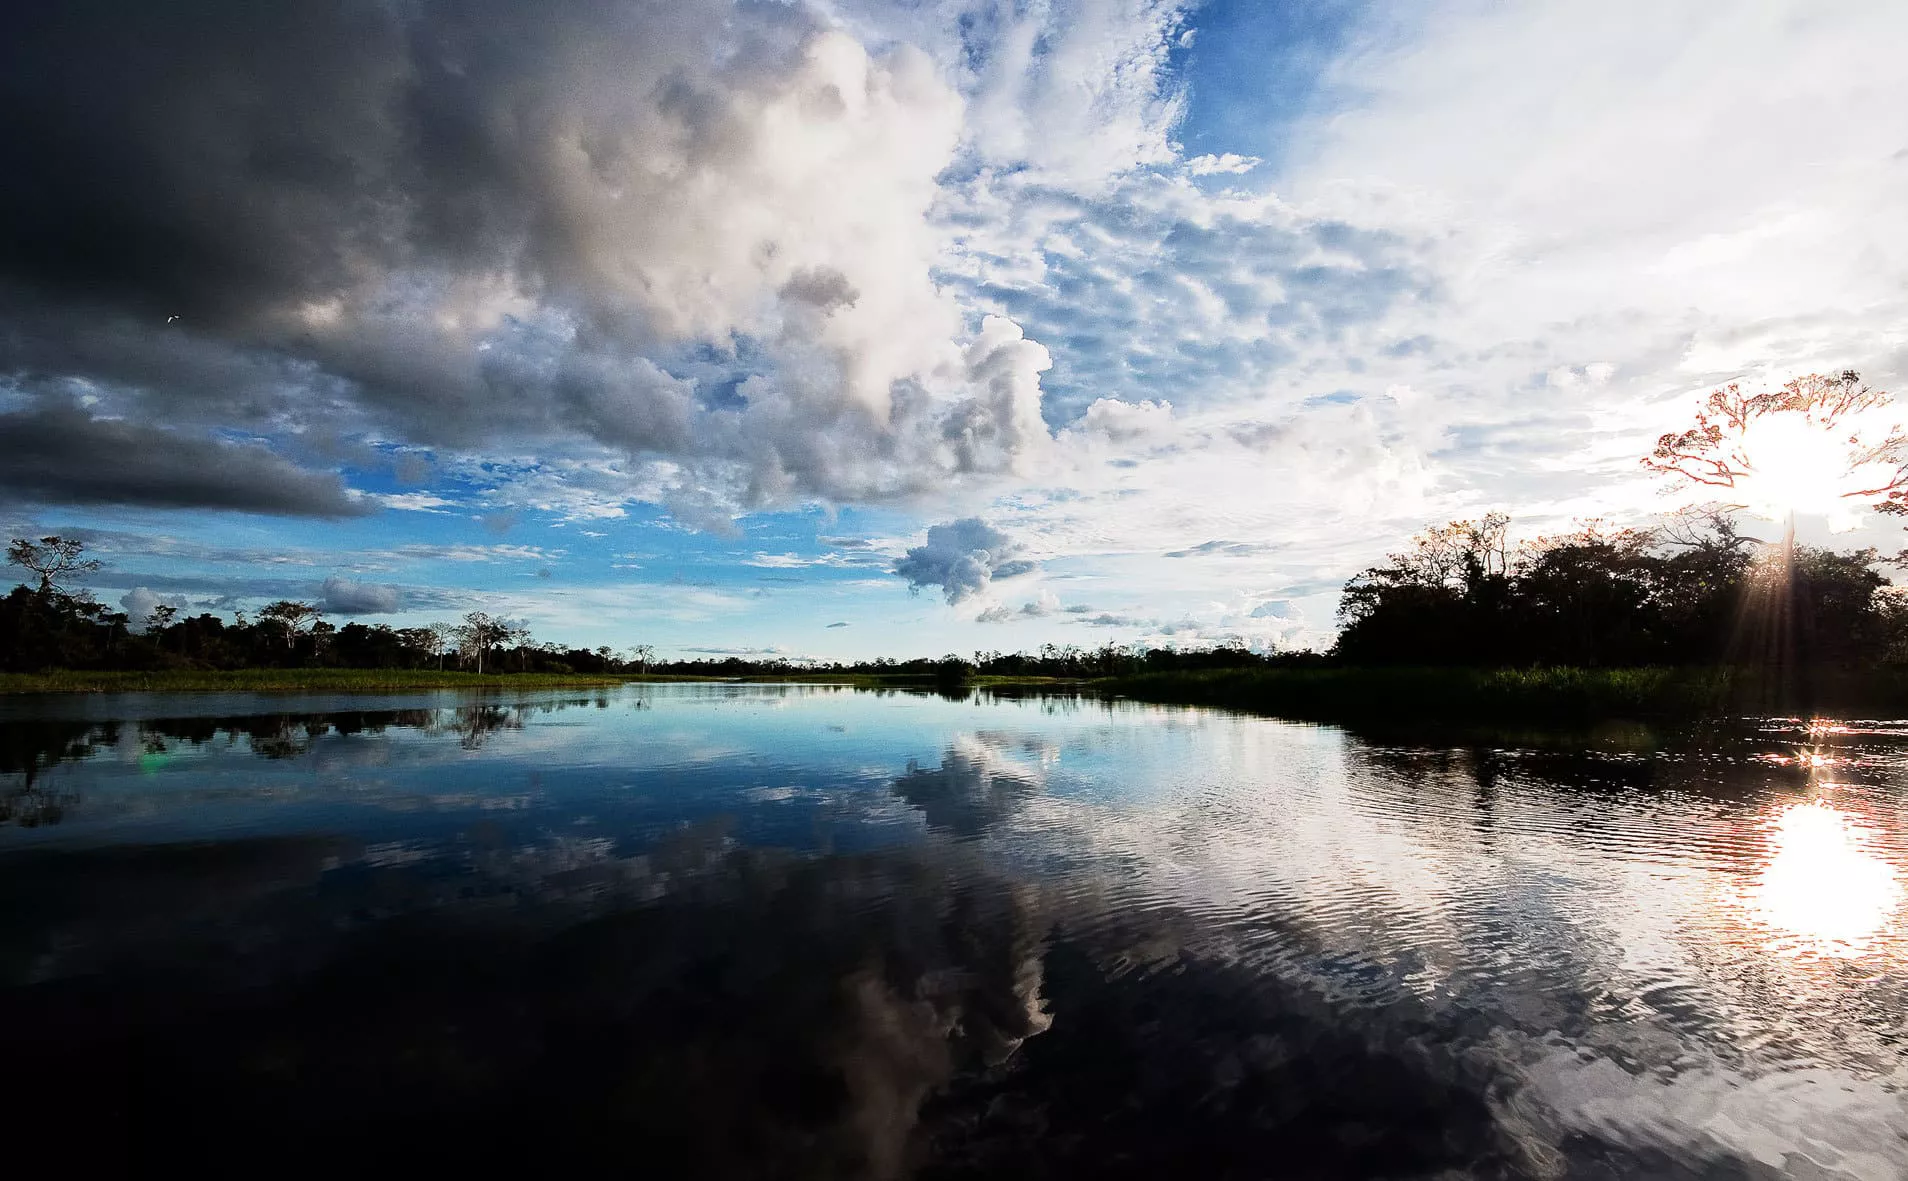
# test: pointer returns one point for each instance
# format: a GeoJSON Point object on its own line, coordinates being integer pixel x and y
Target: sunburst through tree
{"type": "Point", "coordinates": [1821, 446]}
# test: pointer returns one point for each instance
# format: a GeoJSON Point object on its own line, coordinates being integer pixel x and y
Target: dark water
{"type": "Point", "coordinates": [724, 931]}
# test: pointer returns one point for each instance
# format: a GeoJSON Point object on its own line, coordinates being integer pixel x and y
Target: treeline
{"type": "Point", "coordinates": [1694, 591]}
{"type": "Point", "coordinates": [1061, 661]}
{"type": "Point", "coordinates": [49, 628]}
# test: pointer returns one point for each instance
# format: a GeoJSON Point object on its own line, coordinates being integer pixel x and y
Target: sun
{"type": "Point", "coordinates": [1821, 446]}
{"type": "Point", "coordinates": [1795, 464]}
{"type": "Point", "coordinates": [1792, 466]}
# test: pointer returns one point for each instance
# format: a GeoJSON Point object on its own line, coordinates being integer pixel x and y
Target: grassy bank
{"type": "Point", "coordinates": [285, 680]}
{"type": "Point", "coordinates": [1411, 695]}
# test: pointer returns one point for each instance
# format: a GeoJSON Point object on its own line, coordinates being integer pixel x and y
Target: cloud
{"type": "Point", "coordinates": [1047, 603]}
{"type": "Point", "coordinates": [699, 235]}
{"type": "Point", "coordinates": [1157, 285]}
{"type": "Point", "coordinates": [414, 502]}
{"type": "Point", "coordinates": [840, 624]}
{"type": "Point", "coordinates": [480, 553]}
{"type": "Point", "coordinates": [1115, 421]}
{"type": "Point", "coordinates": [1039, 608]}
{"type": "Point", "coordinates": [1229, 163]}
{"type": "Point", "coordinates": [962, 558]}
{"type": "Point", "coordinates": [1076, 91]}
{"type": "Point", "coordinates": [139, 603]}
{"type": "Point", "coordinates": [1222, 549]}
{"type": "Point", "coordinates": [344, 597]}
{"type": "Point", "coordinates": [233, 591]}
{"type": "Point", "coordinates": [60, 454]}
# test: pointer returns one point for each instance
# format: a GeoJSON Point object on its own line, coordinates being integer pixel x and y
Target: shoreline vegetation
{"type": "Point", "coordinates": [1366, 695]}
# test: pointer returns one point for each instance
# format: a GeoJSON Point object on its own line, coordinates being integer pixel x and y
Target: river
{"type": "Point", "coordinates": [729, 930]}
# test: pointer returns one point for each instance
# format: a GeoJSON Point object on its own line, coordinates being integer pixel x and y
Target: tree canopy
{"type": "Point", "coordinates": [1688, 592]}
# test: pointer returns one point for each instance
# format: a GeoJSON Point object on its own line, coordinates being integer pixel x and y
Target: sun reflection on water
{"type": "Point", "coordinates": [1824, 892]}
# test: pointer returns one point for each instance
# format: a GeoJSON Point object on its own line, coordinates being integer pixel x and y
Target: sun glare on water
{"type": "Point", "coordinates": [1824, 892]}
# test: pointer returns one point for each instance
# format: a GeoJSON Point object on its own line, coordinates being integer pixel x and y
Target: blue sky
{"type": "Point", "coordinates": [1134, 321]}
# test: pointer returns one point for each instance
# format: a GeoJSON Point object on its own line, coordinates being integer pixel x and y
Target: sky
{"type": "Point", "coordinates": [854, 328]}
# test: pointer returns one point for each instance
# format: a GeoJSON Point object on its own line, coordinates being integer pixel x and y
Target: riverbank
{"type": "Point", "coordinates": [1412, 695]}
{"type": "Point", "coordinates": [384, 680]}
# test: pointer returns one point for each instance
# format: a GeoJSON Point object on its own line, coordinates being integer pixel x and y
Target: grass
{"type": "Point", "coordinates": [1410, 695]}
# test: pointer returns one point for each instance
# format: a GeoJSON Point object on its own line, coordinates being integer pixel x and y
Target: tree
{"type": "Point", "coordinates": [439, 638]}
{"type": "Point", "coordinates": [641, 655]}
{"type": "Point", "coordinates": [517, 635]}
{"type": "Point", "coordinates": [477, 634]}
{"type": "Point", "coordinates": [162, 618]}
{"type": "Point", "coordinates": [288, 618]}
{"type": "Point", "coordinates": [52, 558]}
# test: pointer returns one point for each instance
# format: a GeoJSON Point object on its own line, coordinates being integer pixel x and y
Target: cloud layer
{"type": "Point", "coordinates": [694, 234]}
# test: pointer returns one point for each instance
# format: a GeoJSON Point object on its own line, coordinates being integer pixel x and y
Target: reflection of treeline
{"type": "Point", "coordinates": [30, 746]}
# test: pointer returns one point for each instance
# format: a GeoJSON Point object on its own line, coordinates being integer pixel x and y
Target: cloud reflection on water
{"type": "Point", "coordinates": [1213, 905]}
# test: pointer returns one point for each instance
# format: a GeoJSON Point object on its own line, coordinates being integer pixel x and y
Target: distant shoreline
{"type": "Point", "coordinates": [378, 680]}
{"type": "Point", "coordinates": [1332, 694]}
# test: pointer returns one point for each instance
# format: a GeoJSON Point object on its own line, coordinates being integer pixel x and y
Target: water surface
{"type": "Point", "coordinates": [727, 930]}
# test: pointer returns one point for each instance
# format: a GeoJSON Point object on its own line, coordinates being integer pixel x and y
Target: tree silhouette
{"type": "Point", "coordinates": [52, 558]}
{"type": "Point", "coordinates": [288, 618]}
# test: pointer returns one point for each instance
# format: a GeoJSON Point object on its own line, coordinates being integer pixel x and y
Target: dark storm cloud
{"type": "Point", "coordinates": [453, 223]}
{"type": "Point", "coordinates": [56, 454]}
